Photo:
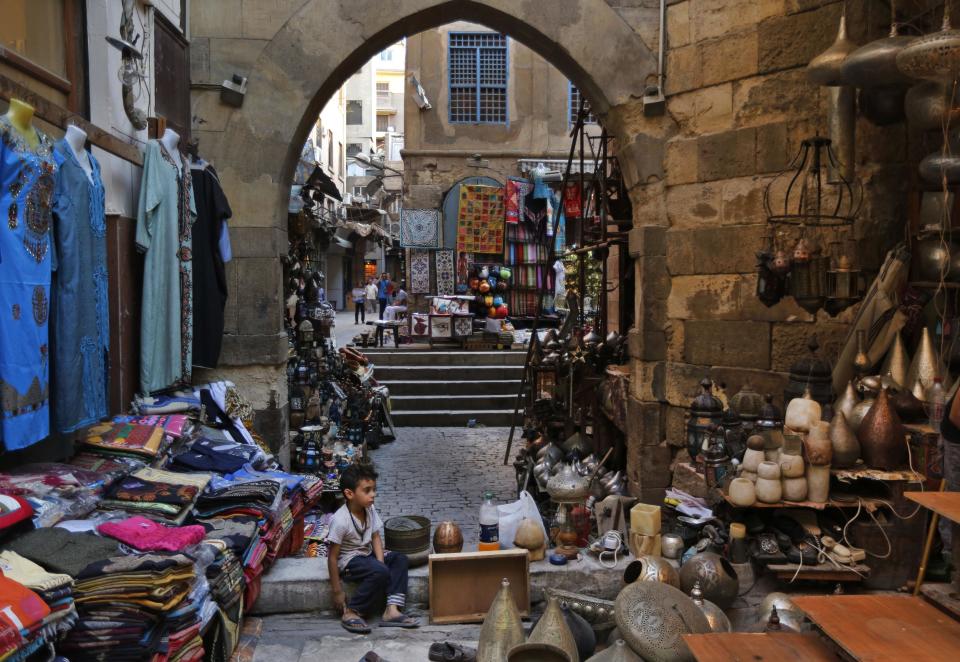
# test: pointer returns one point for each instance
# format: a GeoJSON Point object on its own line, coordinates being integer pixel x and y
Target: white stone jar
{"type": "Point", "coordinates": [818, 482]}
{"type": "Point", "coordinates": [769, 489]}
{"type": "Point", "coordinates": [742, 492]}
{"type": "Point", "coordinates": [794, 489]}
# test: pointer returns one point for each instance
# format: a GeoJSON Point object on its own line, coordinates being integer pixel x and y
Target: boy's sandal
{"type": "Point", "coordinates": [355, 625]}
{"type": "Point", "coordinates": [401, 621]}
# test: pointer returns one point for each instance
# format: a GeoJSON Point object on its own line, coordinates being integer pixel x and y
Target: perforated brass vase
{"type": "Point", "coordinates": [934, 56]}
{"type": "Point", "coordinates": [552, 629]}
{"type": "Point", "coordinates": [926, 365]}
{"type": "Point", "coordinates": [718, 579]}
{"type": "Point", "coordinates": [650, 568]}
{"type": "Point", "coordinates": [896, 364]}
{"type": "Point", "coordinates": [653, 617]}
{"type": "Point", "coordinates": [881, 435]}
{"type": "Point", "coordinates": [502, 629]}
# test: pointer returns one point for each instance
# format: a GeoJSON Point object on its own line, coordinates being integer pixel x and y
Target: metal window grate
{"type": "Point", "coordinates": [478, 66]}
{"type": "Point", "coordinates": [574, 108]}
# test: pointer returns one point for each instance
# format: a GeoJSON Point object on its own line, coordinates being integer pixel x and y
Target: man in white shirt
{"type": "Point", "coordinates": [399, 304]}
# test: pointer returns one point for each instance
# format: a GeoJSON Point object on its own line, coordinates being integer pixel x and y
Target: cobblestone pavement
{"type": "Point", "coordinates": [442, 473]}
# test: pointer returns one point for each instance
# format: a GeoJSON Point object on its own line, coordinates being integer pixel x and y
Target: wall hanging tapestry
{"type": "Point", "coordinates": [481, 220]}
{"type": "Point", "coordinates": [420, 228]}
{"type": "Point", "coordinates": [444, 267]}
{"type": "Point", "coordinates": [419, 271]}
{"type": "Point", "coordinates": [516, 191]}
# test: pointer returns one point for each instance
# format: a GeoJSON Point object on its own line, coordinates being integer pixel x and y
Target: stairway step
{"type": "Point", "coordinates": [444, 387]}
{"type": "Point", "coordinates": [498, 401]}
{"type": "Point", "coordinates": [434, 372]}
{"type": "Point", "coordinates": [405, 357]}
{"type": "Point", "coordinates": [446, 418]}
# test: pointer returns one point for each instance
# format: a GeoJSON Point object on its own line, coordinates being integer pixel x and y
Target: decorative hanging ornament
{"type": "Point", "coordinates": [934, 56]}
{"type": "Point", "coordinates": [826, 68]}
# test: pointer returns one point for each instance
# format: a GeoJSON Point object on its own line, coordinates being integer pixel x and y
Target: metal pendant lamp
{"type": "Point", "coordinates": [875, 63]}
{"type": "Point", "coordinates": [934, 56]}
{"type": "Point", "coordinates": [826, 68]}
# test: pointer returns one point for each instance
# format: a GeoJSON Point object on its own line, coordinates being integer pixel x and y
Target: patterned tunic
{"type": "Point", "coordinates": [165, 218]}
{"type": "Point", "coordinates": [26, 260]}
{"type": "Point", "coordinates": [80, 322]}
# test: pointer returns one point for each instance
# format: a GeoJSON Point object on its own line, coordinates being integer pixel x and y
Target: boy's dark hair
{"type": "Point", "coordinates": [353, 474]}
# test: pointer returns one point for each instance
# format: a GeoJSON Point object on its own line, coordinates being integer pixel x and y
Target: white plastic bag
{"type": "Point", "coordinates": [512, 514]}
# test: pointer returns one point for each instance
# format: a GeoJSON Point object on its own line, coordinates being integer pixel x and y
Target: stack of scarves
{"type": "Point", "coordinates": [159, 494]}
{"type": "Point", "coordinates": [215, 453]}
{"type": "Point", "coordinates": [54, 589]}
{"type": "Point", "coordinates": [22, 617]}
{"type": "Point", "coordinates": [54, 491]}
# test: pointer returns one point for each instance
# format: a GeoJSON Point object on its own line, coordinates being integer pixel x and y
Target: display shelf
{"type": "Point", "coordinates": [823, 572]}
{"type": "Point", "coordinates": [867, 503]}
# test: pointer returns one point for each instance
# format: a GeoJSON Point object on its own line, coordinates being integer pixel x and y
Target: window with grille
{"type": "Point", "coordinates": [477, 71]}
{"type": "Point", "coordinates": [383, 122]}
{"type": "Point", "coordinates": [574, 106]}
{"type": "Point", "coordinates": [353, 149]}
{"type": "Point", "coordinates": [383, 94]}
{"type": "Point", "coordinates": [354, 112]}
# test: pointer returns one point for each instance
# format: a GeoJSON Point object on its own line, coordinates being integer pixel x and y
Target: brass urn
{"type": "Point", "coordinates": [502, 629]}
{"type": "Point", "coordinates": [552, 629]}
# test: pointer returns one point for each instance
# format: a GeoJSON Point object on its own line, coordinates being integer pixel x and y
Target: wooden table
{"type": "Point", "coordinates": [884, 627]}
{"type": "Point", "coordinates": [771, 646]}
{"type": "Point", "coordinates": [945, 504]}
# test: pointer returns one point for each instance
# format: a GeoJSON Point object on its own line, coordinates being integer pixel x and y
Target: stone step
{"type": "Point", "coordinates": [303, 585]}
{"type": "Point", "coordinates": [439, 373]}
{"type": "Point", "coordinates": [405, 357]}
{"type": "Point", "coordinates": [467, 387]}
{"type": "Point", "coordinates": [446, 418]}
{"type": "Point", "coordinates": [499, 401]}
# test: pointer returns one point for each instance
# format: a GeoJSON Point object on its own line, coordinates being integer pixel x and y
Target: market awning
{"type": "Point", "coordinates": [320, 181]}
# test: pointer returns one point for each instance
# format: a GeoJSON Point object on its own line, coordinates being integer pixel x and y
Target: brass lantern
{"type": "Point", "coordinates": [808, 277]}
{"type": "Point", "coordinates": [706, 411]}
{"type": "Point", "coordinates": [305, 334]}
{"type": "Point", "coordinates": [843, 286]}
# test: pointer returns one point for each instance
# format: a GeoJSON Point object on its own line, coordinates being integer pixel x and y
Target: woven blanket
{"type": "Point", "coordinates": [445, 275]}
{"type": "Point", "coordinates": [480, 222]}
{"type": "Point", "coordinates": [419, 271]}
{"type": "Point", "coordinates": [420, 228]}
{"type": "Point", "coordinates": [516, 191]}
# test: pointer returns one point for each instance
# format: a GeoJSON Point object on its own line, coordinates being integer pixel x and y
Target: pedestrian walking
{"type": "Point", "coordinates": [371, 295]}
{"type": "Point", "coordinates": [383, 292]}
{"type": "Point", "coordinates": [359, 295]}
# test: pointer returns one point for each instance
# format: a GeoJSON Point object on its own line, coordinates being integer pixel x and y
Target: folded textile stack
{"type": "Point", "coordinates": [22, 616]}
{"type": "Point", "coordinates": [225, 498]}
{"type": "Point", "coordinates": [110, 469]}
{"type": "Point", "coordinates": [148, 536]}
{"type": "Point", "coordinates": [55, 589]}
{"type": "Point", "coordinates": [159, 494]}
{"type": "Point", "coordinates": [55, 491]}
{"type": "Point", "coordinates": [122, 439]}
{"type": "Point", "coordinates": [216, 452]}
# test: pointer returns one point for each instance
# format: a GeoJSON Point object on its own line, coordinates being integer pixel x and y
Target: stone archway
{"type": "Point", "coordinates": [297, 54]}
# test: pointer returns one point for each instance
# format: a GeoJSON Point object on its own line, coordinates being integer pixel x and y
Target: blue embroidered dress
{"type": "Point", "coordinates": [80, 319]}
{"type": "Point", "coordinates": [26, 260]}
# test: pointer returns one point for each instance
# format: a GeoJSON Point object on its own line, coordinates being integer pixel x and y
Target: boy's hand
{"type": "Point", "coordinates": [339, 601]}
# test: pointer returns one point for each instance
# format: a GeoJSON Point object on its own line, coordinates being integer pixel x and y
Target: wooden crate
{"type": "Point", "coordinates": [462, 586]}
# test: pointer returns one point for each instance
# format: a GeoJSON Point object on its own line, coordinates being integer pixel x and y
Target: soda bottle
{"type": "Point", "coordinates": [489, 525]}
{"type": "Point", "coordinates": [937, 399]}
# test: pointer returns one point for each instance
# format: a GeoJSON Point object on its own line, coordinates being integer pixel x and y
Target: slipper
{"type": "Point", "coordinates": [444, 651]}
{"type": "Point", "coordinates": [356, 626]}
{"type": "Point", "coordinates": [402, 621]}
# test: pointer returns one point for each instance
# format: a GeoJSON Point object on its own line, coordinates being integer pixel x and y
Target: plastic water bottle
{"type": "Point", "coordinates": [489, 525]}
{"type": "Point", "coordinates": [937, 399]}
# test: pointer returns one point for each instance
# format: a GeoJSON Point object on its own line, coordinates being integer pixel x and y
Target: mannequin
{"type": "Point", "coordinates": [20, 115]}
{"type": "Point", "coordinates": [171, 141]}
{"type": "Point", "coordinates": [77, 138]}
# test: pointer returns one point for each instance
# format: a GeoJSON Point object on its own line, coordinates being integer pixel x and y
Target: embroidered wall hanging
{"type": "Point", "coordinates": [420, 228]}
{"type": "Point", "coordinates": [480, 223]}
{"type": "Point", "coordinates": [516, 191]}
{"type": "Point", "coordinates": [419, 271]}
{"type": "Point", "coordinates": [444, 268]}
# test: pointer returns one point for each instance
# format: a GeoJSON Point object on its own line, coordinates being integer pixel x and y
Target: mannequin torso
{"type": "Point", "coordinates": [77, 138]}
{"type": "Point", "coordinates": [20, 115]}
{"type": "Point", "coordinates": [171, 142]}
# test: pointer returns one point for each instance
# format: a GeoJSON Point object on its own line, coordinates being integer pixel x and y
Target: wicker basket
{"type": "Point", "coordinates": [408, 534]}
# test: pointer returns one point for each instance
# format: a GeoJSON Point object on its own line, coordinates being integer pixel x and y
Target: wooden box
{"type": "Point", "coordinates": [462, 586]}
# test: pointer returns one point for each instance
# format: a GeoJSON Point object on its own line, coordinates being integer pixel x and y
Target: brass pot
{"type": "Point", "coordinates": [928, 106]}
{"type": "Point", "coordinates": [502, 630]}
{"type": "Point", "coordinates": [568, 486]}
{"type": "Point", "coordinates": [653, 617]}
{"type": "Point", "coordinates": [881, 436]}
{"type": "Point", "coordinates": [552, 629]}
{"type": "Point", "coordinates": [650, 568]}
{"type": "Point", "coordinates": [447, 538]}
{"type": "Point", "coordinates": [718, 579]}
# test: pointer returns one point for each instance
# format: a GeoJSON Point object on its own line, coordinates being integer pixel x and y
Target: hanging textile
{"type": "Point", "coordinates": [444, 269]}
{"type": "Point", "coordinates": [420, 228]}
{"type": "Point", "coordinates": [516, 191]}
{"type": "Point", "coordinates": [480, 223]}
{"type": "Point", "coordinates": [165, 217]}
{"type": "Point", "coordinates": [572, 203]}
{"type": "Point", "coordinates": [209, 273]}
{"type": "Point", "coordinates": [419, 271]}
{"type": "Point", "coordinates": [26, 259]}
{"type": "Point", "coordinates": [80, 320]}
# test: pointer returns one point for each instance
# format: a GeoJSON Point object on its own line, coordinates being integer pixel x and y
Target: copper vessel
{"type": "Point", "coordinates": [502, 629]}
{"type": "Point", "coordinates": [552, 629]}
{"type": "Point", "coordinates": [881, 435]}
{"type": "Point", "coordinates": [827, 68]}
{"type": "Point", "coordinates": [897, 362]}
{"type": "Point", "coordinates": [447, 538]}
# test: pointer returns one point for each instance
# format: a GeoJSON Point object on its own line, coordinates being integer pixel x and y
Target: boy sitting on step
{"type": "Point", "coordinates": [356, 553]}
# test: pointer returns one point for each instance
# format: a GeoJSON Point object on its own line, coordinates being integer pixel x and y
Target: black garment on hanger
{"type": "Point", "coordinates": [209, 274]}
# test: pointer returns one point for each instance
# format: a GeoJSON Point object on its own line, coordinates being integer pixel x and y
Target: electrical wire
{"type": "Point", "coordinates": [615, 552]}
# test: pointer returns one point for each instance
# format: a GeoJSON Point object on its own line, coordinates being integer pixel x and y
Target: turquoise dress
{"type": "Point", "coordinates": [165, 217]}
{"type": "Point", "coordinates": [80, 323]}
{"type": "Point", "coordinates": [26, 260]}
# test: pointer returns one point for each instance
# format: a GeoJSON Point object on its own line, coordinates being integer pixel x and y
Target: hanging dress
{"type": "Point", "coordinates": [80, 323]}
{"type": "Point", "coordinates": [26, 259]}
{"type": "Point", "coordinates": [165, 217]}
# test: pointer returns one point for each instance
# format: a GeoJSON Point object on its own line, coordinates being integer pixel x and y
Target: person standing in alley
{"type": "Point", "coordinates": [359, 296]}
{"type": "Point", "coordinates": [383, 292]}
{"type": "Point", "coordinates": [371, 295]}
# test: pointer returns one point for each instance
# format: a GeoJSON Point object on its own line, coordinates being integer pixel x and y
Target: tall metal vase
{"type": "Point", "coordinates": [502, 629]}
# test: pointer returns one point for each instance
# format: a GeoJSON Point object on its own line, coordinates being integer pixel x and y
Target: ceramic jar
{"type": "Point", "coordinates": [749, 475]}
{"type": "Point", "coordinates": [752, 459]}
{"type": "Point", "coordinates": [817, 446]}
{"type": "Point", "coordinates": [742, 492]}
{"type": "Point", "coordinates": [818, 482]}
{"type": "Point", "coordinates": [791, 466]}
{"type": "Point", "coordinates": [846, 448]}
{"type": "Point", "coordinates": [768, 483]}
{"type": "Point", "coordinates": [794, 489]}
{"type": "Point", "coordinates": [802, 413]}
